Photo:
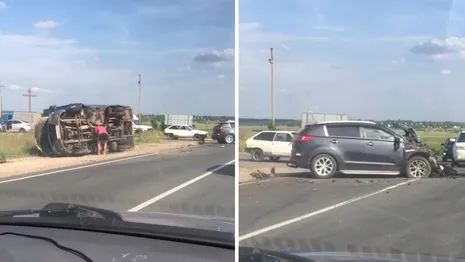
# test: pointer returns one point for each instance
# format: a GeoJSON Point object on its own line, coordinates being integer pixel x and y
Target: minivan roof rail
{"type": "Point", "coordinates": [346, 121]}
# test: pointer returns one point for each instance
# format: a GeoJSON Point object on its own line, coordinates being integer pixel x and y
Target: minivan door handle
{"type": "Point", "coordinates": [370, 143]}
{"type": "Point", "coordinates": [334, 141]}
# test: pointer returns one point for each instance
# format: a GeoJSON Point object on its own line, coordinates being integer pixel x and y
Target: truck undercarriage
{"type": "Point", "coordinates": [68, 130]}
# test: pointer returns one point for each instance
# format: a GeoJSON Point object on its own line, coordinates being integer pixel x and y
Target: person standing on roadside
{"type": "Point", "coordinates": [102, 137]}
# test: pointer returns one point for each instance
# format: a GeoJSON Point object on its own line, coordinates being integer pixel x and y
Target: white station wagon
{"type": "Point", "coordinates": [271, 144]}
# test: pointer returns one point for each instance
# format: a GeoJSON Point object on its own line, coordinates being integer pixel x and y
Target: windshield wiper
{"type": "Point", "coordinates": [66, 210]}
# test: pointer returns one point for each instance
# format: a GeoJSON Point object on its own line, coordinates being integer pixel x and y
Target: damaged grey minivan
{"type": "Point", "coordinates": [68, 130]}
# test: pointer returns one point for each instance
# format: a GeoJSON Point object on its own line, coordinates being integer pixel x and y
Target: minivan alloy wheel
{"type": "Point", "coordinates": [418, 168]}
{"type": "Point", "coordinates": [324, 166]}
{"type": "Point", "coordinates": [229, 139]}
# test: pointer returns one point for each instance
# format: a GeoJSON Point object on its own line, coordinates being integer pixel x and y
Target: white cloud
{"type": "Point", "coordinates": [408, 38]}
{"type": "Point", "coordinates": [445, 72]}
{"type": "Point", "coordinates": [3, 5]}
{"type": "Point", "coordinates": [220, 76]}
{"type": "Point", "coordinates": [41, 90]}
{"type": "Point", "coordinates": [329, 28]}
{"type": "Point", "coordinates": [14, 87]}
{"type": "Point", "coordinates": [440, 49]}
{"type": "Point", "coordinates": [399, 61]}
{"type": "Point", "coordinates": [45, 24]}
{"type": "Point", "coordinates": [253, 32]}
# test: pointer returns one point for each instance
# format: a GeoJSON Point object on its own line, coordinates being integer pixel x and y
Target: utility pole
{"type": "Point", "coordinates": [271, 60]}
{"type": "Point", "coordinates": [140, 91]}
{"type": "Point", "coordinates": [29, 96]}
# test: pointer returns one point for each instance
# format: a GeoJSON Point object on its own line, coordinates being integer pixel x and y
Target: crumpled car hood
{"type": "Point", "coordinates": [181, 220]}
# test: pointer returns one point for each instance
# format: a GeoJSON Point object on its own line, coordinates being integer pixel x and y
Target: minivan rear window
{"type": "Point", "coordinates": [346, 131]}
{"type": "Point", "coordinates": [314, 130]}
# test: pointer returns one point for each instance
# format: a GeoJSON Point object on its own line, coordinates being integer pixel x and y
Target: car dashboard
{"type": "Point", "coordinates": [97, 246]}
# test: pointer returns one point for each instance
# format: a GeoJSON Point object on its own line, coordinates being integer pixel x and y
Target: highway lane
{"type": "Point", "coordinates": [126, 184]}
{"type": "Point", "coordinates": [425, 216]}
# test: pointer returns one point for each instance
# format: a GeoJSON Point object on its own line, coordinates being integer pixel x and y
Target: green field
{"type": "Point", "coordinates": [13, 145]}
{"type": "Point", "coordinates": [432, 137]}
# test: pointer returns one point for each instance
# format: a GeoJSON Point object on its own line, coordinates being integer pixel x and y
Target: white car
{"type": "Point", "coordinates": [184, 131]}
{"type": "Point", "coordinates": [141, 128]}
{"type": "Point", "coordinates": [271, 144]}
{"type": "Point", "coordinates": [17, 126]}
{"type": "Point", "coordinates": [458, 149]}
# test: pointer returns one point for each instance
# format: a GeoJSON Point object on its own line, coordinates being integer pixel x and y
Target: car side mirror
{"type": "Point", "coordinates": [396, 143]}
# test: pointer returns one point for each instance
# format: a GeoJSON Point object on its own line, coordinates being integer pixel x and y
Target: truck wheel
{"type": "Point", "coordinates": [22, 130]}
{"type": "Point", "coordinates": [257, 154]}
{"type": "Point", "coordinates": [118, 109]}
{"type": "Point", "coordinates": [323, 166]}
{"type": "Point", "coordinates": [170, 136]}
{"type": "Point", "coordinates": [117, 114]}
{"type": "Point", "coordinates": [418, 167]}
{"type": "Point", "coordinates": [196, 137]}
{"type": "Point", "coordinates": [113, 146]}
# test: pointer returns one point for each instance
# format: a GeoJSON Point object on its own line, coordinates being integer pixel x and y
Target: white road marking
{"type": "Point", "coordinates": [177, 188]}
{"type": "Point", "coordinates": [86, 166]}
{"type": "Point", "coordinates": [297, 219]}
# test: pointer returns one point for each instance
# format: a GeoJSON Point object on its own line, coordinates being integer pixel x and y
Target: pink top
{"type": "Point", "coordinates": [101, 130]}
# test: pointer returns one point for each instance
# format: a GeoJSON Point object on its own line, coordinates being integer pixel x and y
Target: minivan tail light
{"type": "Point", "coordinates": [303, 138]}
{"type": "Point", "coordinates": [220, 128]}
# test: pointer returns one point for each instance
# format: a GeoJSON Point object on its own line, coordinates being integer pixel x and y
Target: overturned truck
{"type": "Point", "coordinates": [68, 130]}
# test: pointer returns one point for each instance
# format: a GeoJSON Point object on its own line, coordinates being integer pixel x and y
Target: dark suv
{"type": "Point", "coordinates": [224, 132]}
{"type": "Point", "coordinates": [360, 147]}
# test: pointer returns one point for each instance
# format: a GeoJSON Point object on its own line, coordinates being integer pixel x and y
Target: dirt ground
{"type": "Point", "coordinates": [20, 166]}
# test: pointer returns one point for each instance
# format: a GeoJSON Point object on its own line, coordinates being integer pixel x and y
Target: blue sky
{"type": "Point", "coordinates": [369, 59]}
{"type": "Point", "coordinates": [92, 52]}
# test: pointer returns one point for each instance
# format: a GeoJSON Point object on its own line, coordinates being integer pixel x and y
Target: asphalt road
{"type": "Point", "coordinates": [365, 214]}
{"type": "Point", "coordinates": [151, 183]}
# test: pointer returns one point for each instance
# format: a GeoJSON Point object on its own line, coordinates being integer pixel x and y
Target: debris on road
{"type": "Point", "coordinates": [261, 175]}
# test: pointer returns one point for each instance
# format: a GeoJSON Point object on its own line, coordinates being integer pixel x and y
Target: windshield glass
{"type": "Point", "coordinates": [342, 189]}
{"type": "Point", "coordinates": [101, 83]}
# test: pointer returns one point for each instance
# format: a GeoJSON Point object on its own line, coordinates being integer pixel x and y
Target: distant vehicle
{"type": "Point", "coordinates": [458, 149]}
{"type": "Point", "coordinates": [138, 128]}
{"type": "Point", "coordinates": [29, 117]}
{"type": "Point", "coordinates": [68, 130]}
{"type": "Point", "coordinates": [361, 148]}
{"type": "Point", "coordinates": [447, 149]}
{"type": "Point", "coordinates": [185, 131]}
{"type": "Point", "coordinates": [16, 126]}
{"type": "Point", "coordinates": [224, 132]}
{"type": "Point", "coordinates": [271, 144]}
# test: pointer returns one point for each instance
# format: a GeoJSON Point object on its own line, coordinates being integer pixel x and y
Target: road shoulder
{"type": "Point", "coordinates": [33, 165]}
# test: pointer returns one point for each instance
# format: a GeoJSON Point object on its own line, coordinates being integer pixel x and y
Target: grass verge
{"type": "Point", "coordinates": [14, 145]}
